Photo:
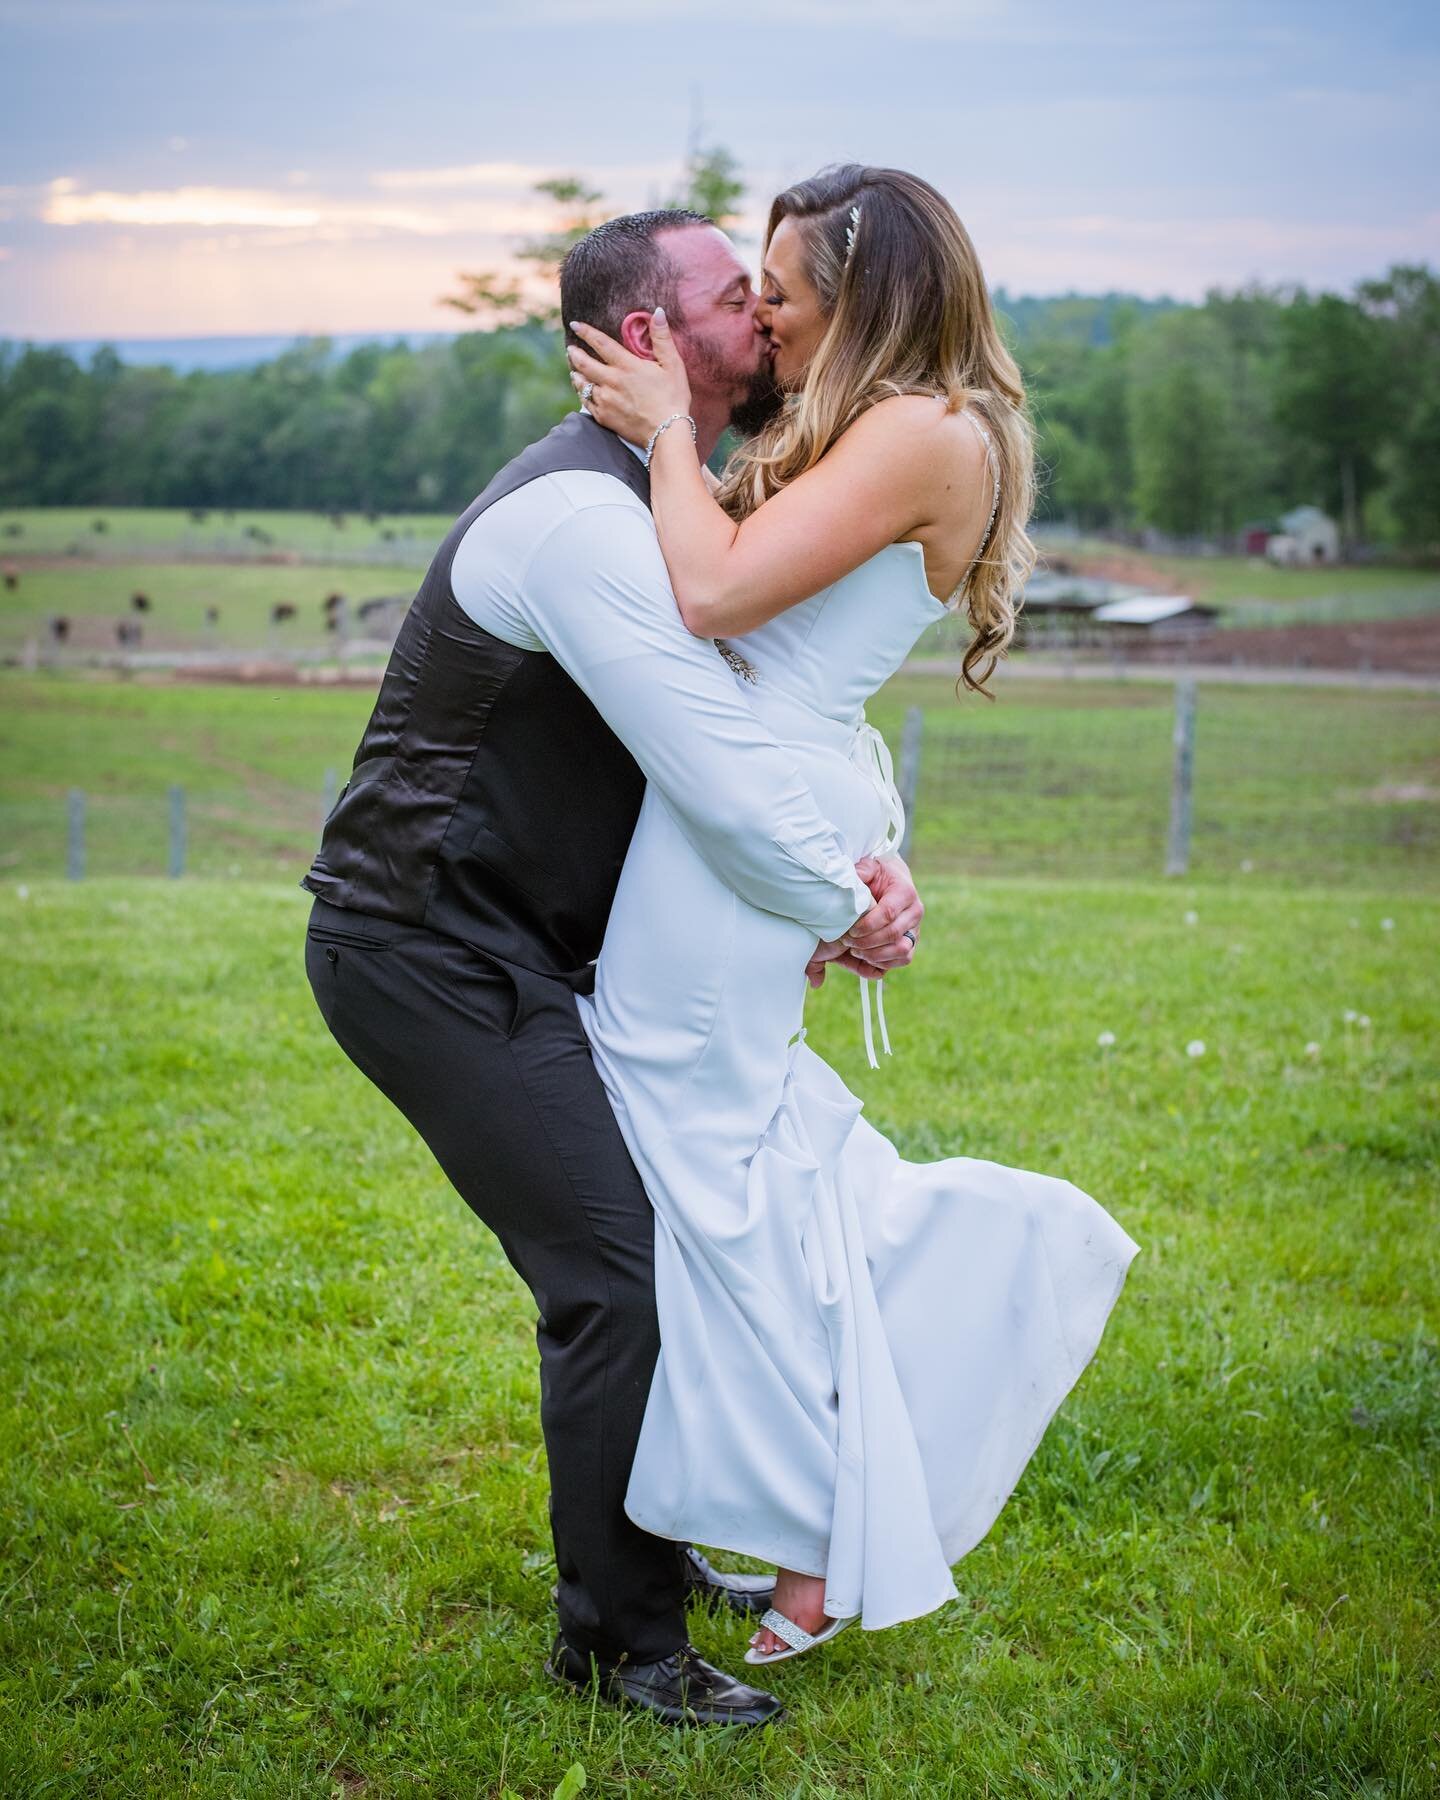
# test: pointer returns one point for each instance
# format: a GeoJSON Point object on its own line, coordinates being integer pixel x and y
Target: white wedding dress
{"type": "Point", "coordinates": [858, 1354]}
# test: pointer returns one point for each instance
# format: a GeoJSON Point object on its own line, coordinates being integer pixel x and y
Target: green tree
{"type": "Point", "coordinates": [1181, 426]}
{"type": "Point", "coordinates": [492, 300]}
{"type": "Point", "coordinates": [1405, 303]}
{"type": "Point", "coordinates": [712, 185]}
{"type": "Point", "coordinates": [1335, 401]}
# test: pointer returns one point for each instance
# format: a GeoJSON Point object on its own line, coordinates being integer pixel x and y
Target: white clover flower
{"type": "Point", "coordinates": [22, 892]}
{"type": "Point", "coordinates": [1105, 1039]}
{"type": "Point", "coordinates": [1192, 918]}
{"type": "Point", "coordinates": [1363, 1022]}
{"type": "Point", "coordinates": [1247, 866]}
{"type": "Point", "coordinates": [1196, 1047]}
{"type": "Point", "coordinates": [1312, 1048]}
{"type": "Point", "coordinates": [1387, 924]}
{"type": "Point", "coordinates": [1350, 1015]}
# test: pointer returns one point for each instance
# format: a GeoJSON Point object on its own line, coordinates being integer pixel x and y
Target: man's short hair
{"type": "Point", "coordinates": [619, 268]}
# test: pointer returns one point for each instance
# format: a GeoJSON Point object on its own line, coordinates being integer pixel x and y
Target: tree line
{"type": "Point", "coordinates": [1195, 420]}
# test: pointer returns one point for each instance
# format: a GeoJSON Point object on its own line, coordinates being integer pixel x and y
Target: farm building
{"type": "Point", "coordinates": [1153, 615]}
{"type": "Point", "coordinates": [1306, 536]}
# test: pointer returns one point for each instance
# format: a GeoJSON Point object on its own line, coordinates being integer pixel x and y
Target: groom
{"type": "Point", "coordinates": [541, 678]}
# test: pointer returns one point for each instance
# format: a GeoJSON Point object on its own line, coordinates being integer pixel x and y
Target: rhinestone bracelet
{"type": "Point", "coordinates": [672, 420]}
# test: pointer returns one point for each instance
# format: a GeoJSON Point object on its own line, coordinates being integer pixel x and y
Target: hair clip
{"type": "Point", "coordinates": [850, 231]}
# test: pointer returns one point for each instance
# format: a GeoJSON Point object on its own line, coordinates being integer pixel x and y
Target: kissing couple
{"type": "Point", "coordinates": [616, 805]}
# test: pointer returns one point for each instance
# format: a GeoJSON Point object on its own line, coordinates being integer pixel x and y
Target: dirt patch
{"type": "Point", "coordinates": [1411, 646]}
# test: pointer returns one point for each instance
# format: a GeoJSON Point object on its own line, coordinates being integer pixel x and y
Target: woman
{"type": "Point", "coordinates": [859, 1355]}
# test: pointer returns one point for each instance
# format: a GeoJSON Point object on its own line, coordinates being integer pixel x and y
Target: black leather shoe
{"type": "Point", "coordinates": [680, 1689]}
{"type": "Point", "coordinates": [719, 1589]}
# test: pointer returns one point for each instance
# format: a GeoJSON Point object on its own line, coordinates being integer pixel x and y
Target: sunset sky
{"type": "Point", "coordinates": [222, 166]}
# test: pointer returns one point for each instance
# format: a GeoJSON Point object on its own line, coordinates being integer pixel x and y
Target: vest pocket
{"type": "Point", "coordinates": [513, 867]}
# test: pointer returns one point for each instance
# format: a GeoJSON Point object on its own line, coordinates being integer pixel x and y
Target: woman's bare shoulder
{"type": "Point", "coordinates": [919, 432]}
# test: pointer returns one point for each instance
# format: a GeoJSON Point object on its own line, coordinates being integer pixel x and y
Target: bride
{"type": "Point", "coordinates": [859, 1354]}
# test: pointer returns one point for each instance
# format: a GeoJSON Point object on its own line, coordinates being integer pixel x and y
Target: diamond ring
{"type": "Point", "coordinates": [586, 392]}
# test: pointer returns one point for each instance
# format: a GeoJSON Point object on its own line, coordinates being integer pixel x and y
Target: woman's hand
{"type": "Point", "coordinates": [628, 394]}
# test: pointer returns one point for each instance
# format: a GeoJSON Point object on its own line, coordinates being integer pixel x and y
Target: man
{"type": "Point", "coordinates": [541, 677]}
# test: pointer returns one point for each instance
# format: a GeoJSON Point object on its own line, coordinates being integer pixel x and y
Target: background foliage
{"type": "Point", "coordinates": [1194, 420]}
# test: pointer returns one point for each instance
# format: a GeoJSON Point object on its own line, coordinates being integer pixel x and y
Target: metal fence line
{"type": "Point", "coordinates": [1132, 783]}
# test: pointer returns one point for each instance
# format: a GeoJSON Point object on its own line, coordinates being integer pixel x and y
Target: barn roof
{"type": "Point", "coordinates": [1144, 609]}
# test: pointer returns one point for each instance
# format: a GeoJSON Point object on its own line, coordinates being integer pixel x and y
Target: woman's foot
{"type": "Point", "coordinates": [799, 1597]}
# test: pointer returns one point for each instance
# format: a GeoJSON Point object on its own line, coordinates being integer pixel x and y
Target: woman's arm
{"type": "Point", "coordinates": [876, 485]}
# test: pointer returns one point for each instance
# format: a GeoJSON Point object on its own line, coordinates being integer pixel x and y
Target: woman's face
{"type": "Point", "coordinates": [789, 310]}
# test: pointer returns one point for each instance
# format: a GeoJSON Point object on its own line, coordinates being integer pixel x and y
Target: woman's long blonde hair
{"type": "Point", "coordinates": [907, 312]}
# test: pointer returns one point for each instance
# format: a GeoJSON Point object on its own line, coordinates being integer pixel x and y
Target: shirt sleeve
{"type": "Point", "coordinates": [598, 596]}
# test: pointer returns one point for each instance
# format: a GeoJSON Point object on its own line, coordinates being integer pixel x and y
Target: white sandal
{"type": "Point", "coordinates": [795, 1637]}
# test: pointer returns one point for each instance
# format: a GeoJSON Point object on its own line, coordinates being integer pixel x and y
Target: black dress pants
{"type": "Point", "coordinates": [491, 1065]}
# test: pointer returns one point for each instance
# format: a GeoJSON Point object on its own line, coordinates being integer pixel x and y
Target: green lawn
{"type": "Point", "coordinates": [1249, 590]}
{"type": "Point", "coordinates": [273, 1491]}
{"type": "Point", "coordinates": [1066, 779]}
{"type": "Point", "coordinates": [134, 530]}
{"type": "Point", "coordinates": [94, 597]}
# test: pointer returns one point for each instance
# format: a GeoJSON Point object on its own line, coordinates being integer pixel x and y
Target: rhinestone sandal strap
{"type": "Point", "coordinates": [787, 1630]}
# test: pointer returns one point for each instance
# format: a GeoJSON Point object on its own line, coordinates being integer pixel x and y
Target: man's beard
{"type": "Point", "coordinates": [763, 396]}
{"type": "Point", "coordinates": [763, 399]}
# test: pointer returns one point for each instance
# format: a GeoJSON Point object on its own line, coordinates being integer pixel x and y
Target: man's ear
{"type": "Point", "coordinates": [635, 335]}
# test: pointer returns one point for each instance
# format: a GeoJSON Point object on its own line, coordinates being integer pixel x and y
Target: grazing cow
{"type": "Point", "coordinates": [59, 628]}
{"type": "Point", "coordinates": [139, 602]}
{"type": "Point", "coordinates": [212, 615]}
{"type": "Point", "coordinates": [12, 577]}
{"type": "Point", "coordinates": [281, 611]}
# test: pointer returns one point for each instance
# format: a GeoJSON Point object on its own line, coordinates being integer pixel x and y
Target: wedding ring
{"type": "Point", "coordinates": [911, 936]}
{"type": "Point", "coordinates": [586, 392]}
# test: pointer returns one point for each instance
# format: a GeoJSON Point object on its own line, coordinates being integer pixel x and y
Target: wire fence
{"type": "Point", "coordinates": [1122, 780]}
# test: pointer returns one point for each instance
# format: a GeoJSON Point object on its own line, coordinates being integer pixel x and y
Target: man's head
{"type": "Point", "coordinates": [620, 273]}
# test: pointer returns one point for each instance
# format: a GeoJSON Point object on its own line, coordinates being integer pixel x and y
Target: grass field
{"type": "Point", "coordinates": [65, 565]}
{"type": "Point", "coordinates": [94, 597]}
{"type": "Point", "coordinates": [273, 1491]}
{"type": "Point", "coordinates": [1072, 779]}
{"type": "Point", "coordinates": [67, 531]}
{"type": "Point", "coordinates": [1250, 589]}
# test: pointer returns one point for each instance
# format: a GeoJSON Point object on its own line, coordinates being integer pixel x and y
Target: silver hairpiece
{"type": "Point", "coordinates": [850, 231]}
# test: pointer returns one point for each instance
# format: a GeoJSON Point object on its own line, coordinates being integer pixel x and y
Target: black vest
{"type": "Point", "coordinates": [489, 800]}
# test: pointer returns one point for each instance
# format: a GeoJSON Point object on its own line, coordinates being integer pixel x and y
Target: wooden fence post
{"type": "Point", "coordinates": [1177, 850]}
{"type": "Point", "coordinates": [910, 741]}
{"type": "Point", "coordinates": [177, 831]}
{"type": "Point", "coordinates": [75, 835]}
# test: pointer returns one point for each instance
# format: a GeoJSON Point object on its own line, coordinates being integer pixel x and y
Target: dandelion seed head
{"type": "Point", "coordinates": [1192, 918]}
{"type": "Point", "coordinates": [1387, 924]}
{"type": "Point", "coordinates": [22, 892]}
{"type": "Point", "coordinates": [1350, 1015]}
{"type": "Point", "coordinates": [1196, 1047]}
{"type": "Point", "coordinates": [1105, 1039]}
{"type": "Point", "coordinates": [1312, 1048]}
{"type": "Point", "coordinates": [1363, 1021]}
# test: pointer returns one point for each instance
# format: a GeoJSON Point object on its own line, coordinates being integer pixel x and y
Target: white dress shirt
{"type": "Point", "coordinates": [570, 564]}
